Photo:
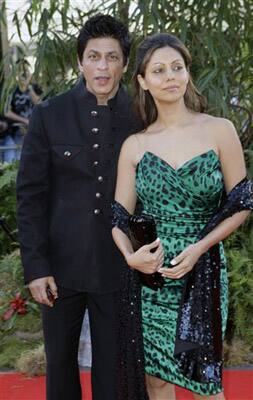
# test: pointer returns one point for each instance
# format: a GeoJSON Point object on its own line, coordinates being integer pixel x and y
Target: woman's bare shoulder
{"type": "Point", "coordinates": [217, 127]}
{"type": "Point", "coordinates": [218, 122]}
{"type": "Point", "coordinates": [130, 142]}
{"type": "Point", "coordinates": [131, 147]}
{"type": "Point", "coordinates": [221, 131]}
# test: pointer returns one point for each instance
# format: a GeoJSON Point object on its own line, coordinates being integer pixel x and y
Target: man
{"type": "Point", "coordinates": [65, 186]}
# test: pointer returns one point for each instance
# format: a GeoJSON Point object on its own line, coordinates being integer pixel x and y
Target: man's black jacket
{"type": "Point", "coordinates": [65, 185]}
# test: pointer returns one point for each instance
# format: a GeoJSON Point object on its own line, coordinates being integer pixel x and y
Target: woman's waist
{"type": "Point", "coordinates": [179, 222]}
{"type": "Point", "coordinates": [199, 214]}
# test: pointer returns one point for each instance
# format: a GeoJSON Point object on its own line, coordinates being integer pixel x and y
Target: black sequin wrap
{"type": "Point", "coordinates": [198, 344]}
{"type": "Point", "coordinates": [130, 362]}
{"type": "Point", "coordinates": [120, 217]}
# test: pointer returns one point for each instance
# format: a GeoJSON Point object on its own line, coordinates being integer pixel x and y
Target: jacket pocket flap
{"type": "Point", "coordinates": [67, 151]}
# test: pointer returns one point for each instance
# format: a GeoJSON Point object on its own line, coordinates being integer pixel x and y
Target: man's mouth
{"type": "Point", "coordinates": [102, 80]}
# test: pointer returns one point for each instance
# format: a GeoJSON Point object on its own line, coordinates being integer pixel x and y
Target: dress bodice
{"type": "Point", "coordinates": [186, 196]}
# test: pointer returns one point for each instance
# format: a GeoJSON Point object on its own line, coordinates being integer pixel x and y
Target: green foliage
{"type": "Point", "coordinates": [8, 175]}
{"type": "Point", "coordinates": [11, 264]}
{"type": "Point", "coordinates": [21, 332]}
{"type": "Point", "coordinates": [218, 34]}
{"type": "Point", "coordinates": [11, 283]}
{"type": "Point", "coordinates": [239, 251]}
{"type": "Point", "coordinates": [11, 348]}
{"type": "Point", "coordinates": [30, 323]}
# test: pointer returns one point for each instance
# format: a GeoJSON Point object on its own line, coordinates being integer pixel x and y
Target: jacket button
{"type": "Point", "coordinates": [94, 113]}
{"type": "Point", "coordinates": [98, 195]}
{"type": "Point", "coordinates": [95, 163]}
{"type": "Point", "coordinates": [67, 153]}
{"type": "Point", "coordinates": [95, 146]}
{"type": "Point", "coordinates": [95, 130]}
{"type": "Point", "coordinates": [97, 211]}
{"type": "Point", "coordinates": [100, 179]}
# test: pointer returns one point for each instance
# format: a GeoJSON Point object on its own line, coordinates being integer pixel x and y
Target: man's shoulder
{"type": "Point", "coordinates": [56, 101]}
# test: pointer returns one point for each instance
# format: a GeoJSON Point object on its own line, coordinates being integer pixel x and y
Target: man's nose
{"type": "Point", "coordinates": [103, 63]}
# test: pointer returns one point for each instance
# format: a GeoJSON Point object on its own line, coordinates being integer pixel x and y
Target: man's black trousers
{"type": "Point", "coordinates": [62, 327]}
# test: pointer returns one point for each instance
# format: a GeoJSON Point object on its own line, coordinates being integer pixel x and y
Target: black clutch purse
{"type": "Point", "coordinates": [142, 230]}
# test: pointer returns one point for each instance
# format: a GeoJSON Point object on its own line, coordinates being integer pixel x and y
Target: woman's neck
{"type": "Point", "coordinates": [173, 114]}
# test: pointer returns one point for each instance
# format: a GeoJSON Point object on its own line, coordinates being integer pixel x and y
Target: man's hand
{"type": "Point", "coordinates": [38, 289]}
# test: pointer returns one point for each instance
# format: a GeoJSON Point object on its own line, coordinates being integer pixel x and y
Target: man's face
{"type": "Point", "coordinates": [102, 67]}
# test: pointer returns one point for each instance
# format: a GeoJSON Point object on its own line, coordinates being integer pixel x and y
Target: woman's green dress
{"type": "Point", "coordinates": [181, 200]}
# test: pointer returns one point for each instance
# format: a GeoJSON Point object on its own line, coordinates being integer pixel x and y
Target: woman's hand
{"type": "Point", "coordinates": [184, 262]}
{"type": "Point", "coordinates": [145, 261]}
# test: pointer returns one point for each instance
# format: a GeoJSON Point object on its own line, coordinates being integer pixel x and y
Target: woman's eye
{"type": "Point", "coordinates": [157, 71]}
{"type": "Point", "coordinates": [92, 56]}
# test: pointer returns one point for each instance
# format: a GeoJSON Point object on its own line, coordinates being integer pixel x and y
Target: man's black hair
{"type": "Point", "coordinates": [101, 26]}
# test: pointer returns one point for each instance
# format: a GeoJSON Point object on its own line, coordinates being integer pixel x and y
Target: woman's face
{"type": "Point", "coordinates": [166, 76]}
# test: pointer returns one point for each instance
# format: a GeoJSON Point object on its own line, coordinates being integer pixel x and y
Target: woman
{"type": "Point", "coordinates": [178, 167]}
{"type": "Point", "coordinates": [24, 97]}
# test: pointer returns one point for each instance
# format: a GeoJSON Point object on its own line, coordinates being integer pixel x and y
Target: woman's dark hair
{"type": "Point", "coordinates": [101, 26]}
{"type": "Point", "coordinates": [144, 102]}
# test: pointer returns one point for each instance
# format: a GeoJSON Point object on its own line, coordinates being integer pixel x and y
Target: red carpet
{"type": "Point", "coordinates": [238, 386]}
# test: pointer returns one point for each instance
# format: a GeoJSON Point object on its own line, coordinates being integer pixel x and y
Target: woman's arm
{"type": "Point", "coordinates": [34, 96]}
{"type": "Point", "coordinates": [233, 170]}
{"type": "Point", "coordinates": [142, 259]}
{"type": "Point", "coordinates": [15, 117]}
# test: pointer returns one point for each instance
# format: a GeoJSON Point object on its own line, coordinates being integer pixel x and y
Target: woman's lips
{"type": "Point", "coordinates": [173, 88]}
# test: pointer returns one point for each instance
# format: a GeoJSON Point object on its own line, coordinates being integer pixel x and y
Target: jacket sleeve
{"type": "Point", "coordinates": [33, 184]}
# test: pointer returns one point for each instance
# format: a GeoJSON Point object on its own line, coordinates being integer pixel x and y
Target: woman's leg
{"type": "Point", "coordinates": [9, 155]}
{"type": "Point", "coordinates": [18, 138]}
{"type": "Point", "coordinates": [159, 389]}
{"type": "Point", "coordinates": [219, 396]}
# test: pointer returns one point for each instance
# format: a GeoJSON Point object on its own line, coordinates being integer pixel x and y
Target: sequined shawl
{"type": "Point", "coordinates": [198, 345]}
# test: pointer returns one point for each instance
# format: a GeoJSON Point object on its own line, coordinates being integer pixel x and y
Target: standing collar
{"type": "Point", "coordinates": [81, 92]}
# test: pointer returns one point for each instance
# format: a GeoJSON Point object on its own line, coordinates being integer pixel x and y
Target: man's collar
{"type": "Point", "coordinates": [82, 93]}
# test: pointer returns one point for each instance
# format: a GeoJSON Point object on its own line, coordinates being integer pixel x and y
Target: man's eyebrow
{"type": "Point", "coordinates": [113, 52]}
{"type": "Point", "coordinates": [109, 52]}
{"type": "Point", "coordinates": [94, 51]}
